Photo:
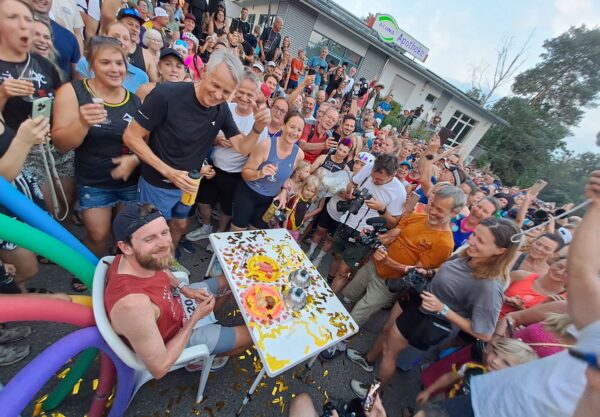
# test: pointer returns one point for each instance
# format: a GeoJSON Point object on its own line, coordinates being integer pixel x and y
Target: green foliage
{"type": "Point", "coordinates": [567, 175]}
{"type": "Point", "coordinates": [395, 117]}
{"type": "Point", "coordinates": [518, 153]}
{"type": "Point", "coordinates": [568, 77]}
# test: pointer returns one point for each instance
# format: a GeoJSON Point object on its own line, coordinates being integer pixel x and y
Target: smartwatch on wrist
{"type": "Point", "coordinates": [444, 311]}
{"type": "Point", "coordinates": [181, 285]}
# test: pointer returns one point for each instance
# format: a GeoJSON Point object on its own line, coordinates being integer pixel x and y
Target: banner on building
{"type": "Point", "coordinates": [389, 32]}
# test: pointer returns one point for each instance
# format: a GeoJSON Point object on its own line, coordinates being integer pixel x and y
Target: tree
{"type": "Point", "coordinates": [567, 175]}
{"type": "Point", "coordinates": [567, 80]}
{"type": "Point", "coordinates": [518, 153]}
{"type": "Point", "coordinates": [508, 62]}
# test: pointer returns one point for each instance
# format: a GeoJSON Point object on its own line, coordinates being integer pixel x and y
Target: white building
{"type": "Point", "coordinates": [312, 24]}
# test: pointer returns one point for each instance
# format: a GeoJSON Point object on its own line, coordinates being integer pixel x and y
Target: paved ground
{"type": "Point", "coordinates": [174, 395]}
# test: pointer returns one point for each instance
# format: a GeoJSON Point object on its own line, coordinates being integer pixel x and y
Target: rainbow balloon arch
{"type": "Point", "coordinates": [41, 234]}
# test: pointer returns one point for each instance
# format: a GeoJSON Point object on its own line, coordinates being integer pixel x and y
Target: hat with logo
{"type": "Point", "coordinates": [133, 13]}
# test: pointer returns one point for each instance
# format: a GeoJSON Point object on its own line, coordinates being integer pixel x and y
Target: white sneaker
{"type": "Point", "coordinates": [217, 365]}
{"type": "Point", "coordinates": [200, 233]}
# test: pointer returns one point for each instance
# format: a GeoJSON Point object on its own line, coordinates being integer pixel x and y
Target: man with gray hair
{"type": "Point", "coordinates": [270, 41]}
{"type": "Point", "coordinates": [228, 161]}
{"type": "Point", "coordinates": [420, 240]}
{"type": "Point", "coordinates": [175, 128]}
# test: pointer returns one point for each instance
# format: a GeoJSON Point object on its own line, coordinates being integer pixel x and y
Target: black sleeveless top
{"type": "Point", "coordinates": [137, 58]}
{"type": "Point", "coordinates": [331, 166]}
{"type": "Point", "coordinates": [93, 158]}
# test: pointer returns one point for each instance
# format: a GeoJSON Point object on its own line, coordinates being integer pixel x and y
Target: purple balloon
{"type": "Point", "coordinates": [24, 386]}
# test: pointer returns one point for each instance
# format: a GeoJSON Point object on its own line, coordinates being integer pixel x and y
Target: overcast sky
{"type": "Point", "coordinates": [460, 34]}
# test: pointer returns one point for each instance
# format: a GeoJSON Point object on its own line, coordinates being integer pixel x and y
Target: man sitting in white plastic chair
{"type": "Point", "coordinates": [144, 301]}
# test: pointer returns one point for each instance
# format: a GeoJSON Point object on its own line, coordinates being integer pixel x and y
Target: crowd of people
{"type": "Point", "coordinates": [170, 121]}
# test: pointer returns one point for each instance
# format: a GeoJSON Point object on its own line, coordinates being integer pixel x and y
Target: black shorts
{"type": "Point", "coordinates": [221, 189]}
{"type": "Point", "coordinates": [459, 406]}
{"type": "Point", "coordinates": [422, 330]}
{"type": "Point", "coordinates": [325, 221]}
{"type": "Point", "coordinates": [249, 207]}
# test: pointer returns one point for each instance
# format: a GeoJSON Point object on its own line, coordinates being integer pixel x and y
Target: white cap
{"type": "Point", "coordinates": [271, 64]}
{"type": "Point", "coordinates": [366, 157]}
{"type": "Point", "coordinates": [259, 66]}
{"type": "Point", "coordinates": [160, 12]}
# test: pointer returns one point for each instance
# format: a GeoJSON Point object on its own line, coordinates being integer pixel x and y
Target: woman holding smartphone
{"type": "Point", "coordinates": [90, 117]}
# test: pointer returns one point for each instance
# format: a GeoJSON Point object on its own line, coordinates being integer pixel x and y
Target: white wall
{"type": "Point", "coordinates": [340, 35]}
{"type": "Point", "coordinates": [475, 135]}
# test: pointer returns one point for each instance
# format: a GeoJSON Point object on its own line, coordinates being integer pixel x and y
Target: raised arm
{"type": "Point", "coordinates": [583, 262]}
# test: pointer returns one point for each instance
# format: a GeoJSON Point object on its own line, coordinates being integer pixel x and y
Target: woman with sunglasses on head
{"type": "Point", "coordinates": [91, 116]}
{"type": "Point", "coordinates": [118, 34]}
{"type": "Point", "coordinates": [269, 167]}
{"type": "Point", "coordinates": [333, 161]}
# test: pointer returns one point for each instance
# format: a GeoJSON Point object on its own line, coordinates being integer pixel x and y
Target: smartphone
{"type": "Point", "coordinates": [411, 202]}
{"type": "Point", "coordinates": [42, 107]}
{"type": "Point", "coordinates": [311, 71]}
{"type": "Point", "coordinates": [538, 186]}
{"type": "Point", "coordinates": [588, 357]}
{"type": "Point", "coordinates": [509, 329]}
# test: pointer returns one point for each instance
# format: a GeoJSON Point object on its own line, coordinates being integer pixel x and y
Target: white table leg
{"type": "Point", "coordinates": [210, 265]}
{"type": "Point", "coordinates": [248, 397]}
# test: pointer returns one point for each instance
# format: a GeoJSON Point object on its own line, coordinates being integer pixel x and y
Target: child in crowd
{"type": "Point", "coordinates": [499, 353]}
{"type": "Point", "coordinates": [298, 206]}
{"type": "Point", "coordinates": [300, 174]}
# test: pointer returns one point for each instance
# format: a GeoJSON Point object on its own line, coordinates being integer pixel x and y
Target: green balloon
{"type": "Point", "coordinates": [65, 387]}
{"type": "Point", "coordinates": [40, 243]}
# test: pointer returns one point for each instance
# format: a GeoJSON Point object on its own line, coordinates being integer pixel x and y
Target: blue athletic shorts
{"type": "Point", "coordinates": [167, 200]}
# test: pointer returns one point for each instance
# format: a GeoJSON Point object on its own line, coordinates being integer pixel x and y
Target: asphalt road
{"type": "Point", "coordinates": [174, 395]}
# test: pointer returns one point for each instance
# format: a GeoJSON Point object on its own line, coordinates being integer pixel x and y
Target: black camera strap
{"type": "Point", "coordinates": [361, 219]}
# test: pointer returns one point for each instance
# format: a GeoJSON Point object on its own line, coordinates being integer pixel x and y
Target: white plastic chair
{"type": "Point", "coordinates": [142, 375]}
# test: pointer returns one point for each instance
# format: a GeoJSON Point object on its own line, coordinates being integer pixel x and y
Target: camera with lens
{"type": "Point", "coordinates": [359, 195]}
{"type": "Point", "coordinates": [411, 281]}
{"type": "Point", "coordinates": [371, 238]}
{"type": "Point", "coordinates": [343, 408]}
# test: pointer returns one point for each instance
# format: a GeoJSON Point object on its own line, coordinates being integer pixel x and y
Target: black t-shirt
{"type": "Point", "coordinates": [181, 129]}
{"type": "Point", "coordinates": [93, 158]}
{"type": "Point", "coordinates": [238, 24]}
{"type": "Point", "coordinates": [47, 80]}
{"type": "Point", "coordinates": [251, 40]}
{"type": "Point", "coordinates": [271, 41]}
{"type": "Point", "coordinates": [137, 58]}
{"type": "Point", "coordinates": [197, 7]}
{"type": "Point", "coordinates": [248, 51]}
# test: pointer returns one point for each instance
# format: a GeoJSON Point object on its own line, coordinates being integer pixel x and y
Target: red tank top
{"type": "Point", "coordinates": [157, 287]}
{"type": "Point", "coordinates": [524, 290]}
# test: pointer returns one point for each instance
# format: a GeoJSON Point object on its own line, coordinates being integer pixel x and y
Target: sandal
{"type": "Point", "coordinates": [14, 333]}
{"type": "Point", "coordinates": [33, 290]}
{"type": "Point", "coordinates": [9, 355]}
{"type": "Point", "coordinates": [78, 286]}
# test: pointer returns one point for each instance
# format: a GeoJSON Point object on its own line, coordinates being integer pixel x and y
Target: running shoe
{"type": "Point", "coordinates": [359, 359]}
{"type": "Point", "coordinates": [200, 233]}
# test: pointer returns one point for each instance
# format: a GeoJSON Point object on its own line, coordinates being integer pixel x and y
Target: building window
{"type": "Point", "coordinates": [251, 19]}
{"type": "Point", "coordinates": [430, 98]}
{"type": "Point", "coordinates": [337, 53]}
{"type": "Point", "coordinates": [461, 125]}
{"type": "Point", "coordinates": [263, 22]}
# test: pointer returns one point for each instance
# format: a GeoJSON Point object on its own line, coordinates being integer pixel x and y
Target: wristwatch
{"type": "Point", "coordinates": [382, 212]}
{"type": "Point", "coordinates": [444, 311]}
{"type": "Point", "coordinates": [181, 285]}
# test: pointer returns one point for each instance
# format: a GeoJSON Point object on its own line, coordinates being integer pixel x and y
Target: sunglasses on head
{"type": "Point", "coordinates": [98, 39]}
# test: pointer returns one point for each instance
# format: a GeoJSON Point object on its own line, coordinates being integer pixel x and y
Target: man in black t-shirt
{"type": "Point", "coordinates": [269, 41]}
{"type": "Point", "coordinates": [175, 128]}
{"type": "Point", "coordinates": [241, 24]}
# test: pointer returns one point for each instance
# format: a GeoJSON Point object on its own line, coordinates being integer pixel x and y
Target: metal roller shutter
{"type": "Point", "coordinates": [298, 23]}
{"type": "Point", "coordinates": [372, 64]}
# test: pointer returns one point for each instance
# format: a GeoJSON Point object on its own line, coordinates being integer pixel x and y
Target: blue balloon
{"type": "Point", "coordinates": [34, 216]}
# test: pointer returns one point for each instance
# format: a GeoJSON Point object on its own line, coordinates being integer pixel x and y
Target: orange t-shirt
{"type": "Point", "coordinates": [417, 244]}
{"type": "Point", "coordinates": [296, 64]}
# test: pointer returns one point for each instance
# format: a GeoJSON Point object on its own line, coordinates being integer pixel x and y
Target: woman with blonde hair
{"type": "Point", "coordinates": [465, 294]}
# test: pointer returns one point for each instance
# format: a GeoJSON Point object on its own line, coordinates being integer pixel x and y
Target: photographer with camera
{"type": "Point", "coordinates": [420, 239]}
{"type": "Point", "coordinates": [465, 294]}
{"type": "Point", "coordinates": [374, 191]}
